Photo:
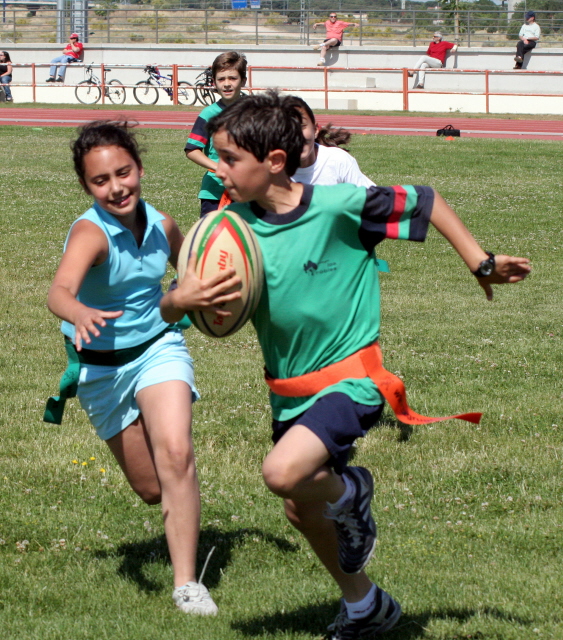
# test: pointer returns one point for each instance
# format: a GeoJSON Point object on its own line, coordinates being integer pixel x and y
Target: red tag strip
{"type": "Point", "coordinates": [367, 362]}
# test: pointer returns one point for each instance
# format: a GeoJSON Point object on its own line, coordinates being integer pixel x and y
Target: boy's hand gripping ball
{"type": "Point", "coordinates": [220, 240]}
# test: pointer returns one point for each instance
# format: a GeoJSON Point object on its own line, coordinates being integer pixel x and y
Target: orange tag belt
{"type": "Point", "coordinates": [365, 363]}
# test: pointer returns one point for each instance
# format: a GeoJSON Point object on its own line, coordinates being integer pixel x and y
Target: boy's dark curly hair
{"type": "Point", "coordinates": [262, 123]}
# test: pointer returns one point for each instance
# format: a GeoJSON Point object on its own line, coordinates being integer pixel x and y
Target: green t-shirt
{"type": "Point", "coordinates": [211, 187]}
{"type": "Point", "coordinates": [320, 302]}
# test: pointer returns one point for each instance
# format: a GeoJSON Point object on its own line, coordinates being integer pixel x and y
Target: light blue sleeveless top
{"type": "Point", "coordinates": [128, 281]}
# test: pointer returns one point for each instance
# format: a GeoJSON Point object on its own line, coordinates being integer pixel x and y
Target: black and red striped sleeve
{"type": "Point", "coordinates": [199, 137]}
{"type": "Point", "coordinates": [399, 213]}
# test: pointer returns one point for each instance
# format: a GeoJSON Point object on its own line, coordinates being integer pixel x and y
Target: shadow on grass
{"type": "Point", "coordinates": [314, 619]}
{"type": "Point", "coordinates": [136, 556]}
{"type": "Point", "coordinates": [389, 421]}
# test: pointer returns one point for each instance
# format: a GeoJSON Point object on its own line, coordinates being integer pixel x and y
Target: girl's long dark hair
{"type": "Point", "coordinates": [104, 133]}
{"type": "Point", "coordinates": [327, 136]}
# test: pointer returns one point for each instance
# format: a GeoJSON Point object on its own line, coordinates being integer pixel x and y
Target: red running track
{"type": "Point", "coordinates": [381, 125]}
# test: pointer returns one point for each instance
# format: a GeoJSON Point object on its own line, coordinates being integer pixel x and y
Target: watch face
{"type": "Point", "coordinates": [486, 268]}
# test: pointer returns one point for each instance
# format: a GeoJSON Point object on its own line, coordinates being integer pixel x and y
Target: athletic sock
{"type": "Point", "coordinates": [349, 492]}
{"type": "Point", "coordinates": [361, 609]}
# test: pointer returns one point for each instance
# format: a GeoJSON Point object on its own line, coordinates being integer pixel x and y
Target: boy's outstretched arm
{"type": "Point", "coordinates": [507, 269]}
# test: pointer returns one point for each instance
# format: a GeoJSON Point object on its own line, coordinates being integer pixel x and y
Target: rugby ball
{"type": "Point", "coordinates": [220, 240]}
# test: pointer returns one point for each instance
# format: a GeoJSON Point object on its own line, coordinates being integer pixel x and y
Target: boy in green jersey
{"type": "Point", "coordinates": [229, 75]}
{"type": "Point", "coordinates": [319, 308]}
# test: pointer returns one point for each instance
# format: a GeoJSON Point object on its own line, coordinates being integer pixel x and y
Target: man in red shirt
{"type": "Point", "coordinates": [435, 58]}
{"type": "Point", "coordinates": [71, 53]}
{"type": "Point", "coordinates": [334, 33]}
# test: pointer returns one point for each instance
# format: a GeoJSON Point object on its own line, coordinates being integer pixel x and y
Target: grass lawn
{"type": "Point", "coordinates": [470, 518]}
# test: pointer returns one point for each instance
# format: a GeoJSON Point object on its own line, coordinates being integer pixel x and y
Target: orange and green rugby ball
{"type": "Point", "coordinates": [220, 240]}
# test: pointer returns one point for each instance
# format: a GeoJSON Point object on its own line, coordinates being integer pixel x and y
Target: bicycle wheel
{"type": "Point", "coordinates": [186, 93]}
{"type": "Point", "coordinates": [88, 92]}
{"type": "Point", "coordinates": [115, 91]}
{"type": "Point", "coordinates": [207, 96]}
{"type": "Point", "coordinates": [145, 93]}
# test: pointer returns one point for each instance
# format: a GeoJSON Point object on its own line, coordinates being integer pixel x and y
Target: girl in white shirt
{"type": "Point", "coordinates": [322, 161]}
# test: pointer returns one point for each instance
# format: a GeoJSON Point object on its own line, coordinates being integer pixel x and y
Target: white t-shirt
{"type": "Point", "coordinates": [332, 166]}
{"type": "Point", "coordinates": [530, 30]}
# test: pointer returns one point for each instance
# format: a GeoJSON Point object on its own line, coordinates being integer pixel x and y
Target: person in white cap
{"type": "Point", "coordinates": [435, 58]}
{"type": "Point", "coordinates": [71, 53]}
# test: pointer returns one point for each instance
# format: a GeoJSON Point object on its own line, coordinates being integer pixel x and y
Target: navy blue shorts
{"type": "Point", "coordinates": [334, 45]}
{"type": "Point", "coordinates": [207, 206]}
{"type": "Point", "coordinates": [337, 420]}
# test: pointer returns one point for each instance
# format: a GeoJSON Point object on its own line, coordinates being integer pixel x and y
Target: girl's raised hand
{"type": "Point", "coordinates": [85, 322]}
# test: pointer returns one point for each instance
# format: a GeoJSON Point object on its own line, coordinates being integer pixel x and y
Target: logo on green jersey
{"type": "Point", "coordinates": [324, 266]}
{"type": "Point", "coordinates": [310, 267]}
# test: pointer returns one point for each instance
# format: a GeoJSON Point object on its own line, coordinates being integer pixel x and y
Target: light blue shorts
{"type": "Point", "coordinates": [107, 394]}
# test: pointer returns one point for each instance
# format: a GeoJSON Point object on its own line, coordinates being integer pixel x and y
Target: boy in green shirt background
{"type": "Point", "coordinates": [229, 75]}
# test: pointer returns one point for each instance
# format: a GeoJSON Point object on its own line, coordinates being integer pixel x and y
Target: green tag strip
{"type": "Point", "coordinates": [67, 387]}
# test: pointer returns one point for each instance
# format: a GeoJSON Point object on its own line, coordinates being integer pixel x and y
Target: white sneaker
{"type": "Point", "coordinates": [194, 597]}
{"type": "Point", "coordinates": [316, 47]}
{"type": "Point", "coordinates": [321, 62]}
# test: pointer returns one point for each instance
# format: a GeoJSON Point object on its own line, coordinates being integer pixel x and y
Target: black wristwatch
{"type": "Point", "coordinates": [486, 267]}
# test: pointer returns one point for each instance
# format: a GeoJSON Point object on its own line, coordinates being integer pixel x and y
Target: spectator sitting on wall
{"type": "Point", "coordinates": [71, 53]}
{"type": "Point", "coordinates": [529, 36]}
{"type": "Point", "coordinates": [6, 74]}
{"type": "Point", "coordinates": [435, 58]}
{"type": "Point", "coordinates": [334, 34]}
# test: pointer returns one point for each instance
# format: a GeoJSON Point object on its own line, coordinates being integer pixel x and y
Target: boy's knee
{"type": "Point", "coordinates": [279, 478]}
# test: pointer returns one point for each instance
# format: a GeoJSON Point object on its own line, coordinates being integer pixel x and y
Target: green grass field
{"type": "Point", "coordinates": [470, 518]}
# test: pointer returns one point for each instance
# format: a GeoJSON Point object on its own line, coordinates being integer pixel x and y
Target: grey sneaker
{"type": "Point", "coordinates": [383, 617]}
{"type": "Point", "coordinates": [354, 524]}
{"type": "Point", "coordinates": [194, 597]}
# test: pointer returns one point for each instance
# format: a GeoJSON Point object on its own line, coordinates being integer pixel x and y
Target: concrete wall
{"type": "Point", "coordinates": [388, 83]}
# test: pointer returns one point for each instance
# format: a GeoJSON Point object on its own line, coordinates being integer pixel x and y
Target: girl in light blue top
{"type": "Point", "coordinates": [136, 376]}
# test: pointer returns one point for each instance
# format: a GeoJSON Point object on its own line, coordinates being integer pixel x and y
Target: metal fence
{"type": "Point", "coordinates": [140, 23]}
{"type": "Point", "coordinates": [482, 85]}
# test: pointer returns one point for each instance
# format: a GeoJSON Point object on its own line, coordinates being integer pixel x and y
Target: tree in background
{"type": "Point", "coordinates": [548, 15]}
{"type": "Point", "coordinates": [484, 15]}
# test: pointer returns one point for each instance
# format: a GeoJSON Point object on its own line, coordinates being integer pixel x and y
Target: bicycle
{"type": "Point", "coordinates": [205, 88]}
{"type": "Point", "coordinates": [89, 91]}
{"type": "Point", "coordinates": [146, 91]}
